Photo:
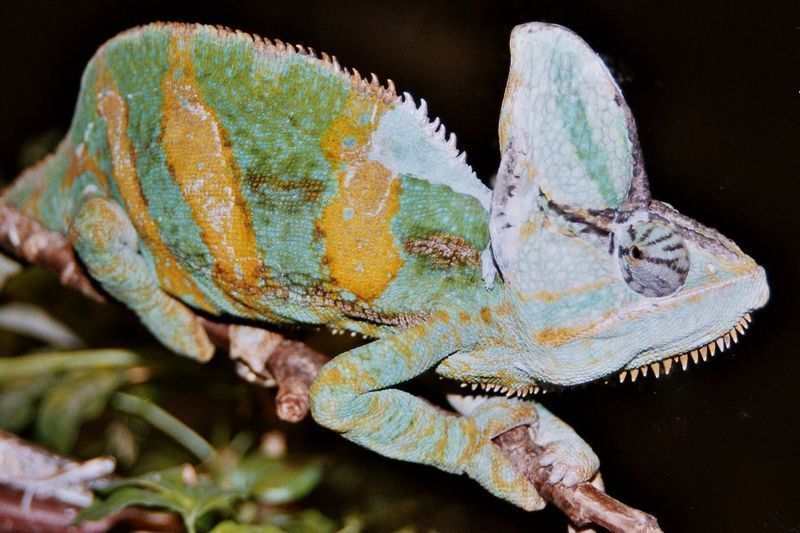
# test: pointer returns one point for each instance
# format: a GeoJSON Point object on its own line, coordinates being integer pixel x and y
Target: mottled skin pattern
{"type": "Point", "coordinates": [208, 170]}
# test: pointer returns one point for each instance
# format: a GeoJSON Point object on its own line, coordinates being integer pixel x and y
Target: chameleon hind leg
{"type": "Point", "coordinates": [351, 396]}
{"type": "Point", "coordinates": [106, 241]}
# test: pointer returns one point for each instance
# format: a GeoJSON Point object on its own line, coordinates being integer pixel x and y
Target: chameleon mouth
{"type": "Point", "coordinates": [503, 386]}
{"type": "Point", "coordinates": [720, 344]}
{"type": "Point", "coordinates": [496, 388]}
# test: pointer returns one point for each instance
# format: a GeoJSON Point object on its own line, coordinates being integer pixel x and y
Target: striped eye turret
{"type": "Point", "coordinates": [652, 258]}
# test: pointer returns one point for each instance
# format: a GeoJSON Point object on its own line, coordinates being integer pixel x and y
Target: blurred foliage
{"type": "Point", "coordinates": [196, 440]}
{"type": "Point", "coordinates": [192, 496]}
{"type": "Point", "coordinates": [120, 401]}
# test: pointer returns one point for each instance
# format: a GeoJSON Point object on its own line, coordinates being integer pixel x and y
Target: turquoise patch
{"type": "Point", "coordinates": [428, 210]}
{"type": "Point", "coordinates": [573, 116]}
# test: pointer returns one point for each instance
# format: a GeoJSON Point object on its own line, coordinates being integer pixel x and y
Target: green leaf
{"type": "Point", "coordinates": [167, 423]}
{"type": "Point", "coordinates": [8, 269]}
{"type": "Point", "coordinates": [18, 402]}
{"type": "Point", "coordinates": [70, 403]}
{"type": "Point", "coordinates": [313, 521]}
{"type": "Point", "coordinates": [229, 526]}
{"type": "Point", "coordinates": [120, 499]}
{"type": "Point", "coordinates": [165, 489]}
{"type": "Point", "coordinates": [33, 321]}
{"type": "Point", "coordinates": [12, 368]}
{"type": "Point", "coordinates": [273, 480]}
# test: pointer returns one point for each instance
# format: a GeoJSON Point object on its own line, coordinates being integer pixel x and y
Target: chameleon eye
{"type": "Point", "coordinates": [653, 259]}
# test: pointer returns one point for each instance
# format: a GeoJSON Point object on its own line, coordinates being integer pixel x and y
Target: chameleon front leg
{"type": "Point", "coordinates": [350, 396]}
{"type": "Point", "coordinates": [107, 243]}
{"type": "Point", "coordinates": [571, 459]}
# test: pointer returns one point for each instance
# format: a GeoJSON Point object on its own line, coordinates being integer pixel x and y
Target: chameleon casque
{"type": "Point", "coordinates": [208, 171]}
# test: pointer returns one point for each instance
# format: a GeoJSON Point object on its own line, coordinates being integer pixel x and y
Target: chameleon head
{"type": "Point", "coordinates": [598, 277]}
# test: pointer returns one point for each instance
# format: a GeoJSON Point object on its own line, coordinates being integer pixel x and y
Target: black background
{"type": "Point", "coordinates": [714, 87]}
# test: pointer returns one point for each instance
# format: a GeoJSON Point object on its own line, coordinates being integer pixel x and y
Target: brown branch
{"type": "Point", "coordinates": [294, 367]}
{"type": "Point", "coordinates": [292, 364]}
{"type": "Point", "coordinates": [27, 240]}
{"type": "Point", "coordinates": [583, 504]}
{"type": "Point", "coordinates": [43, 491]}
{"type": "Point", "coordinates": [41, 515]}
{"type": "Point", "coordinates": [49, 515]}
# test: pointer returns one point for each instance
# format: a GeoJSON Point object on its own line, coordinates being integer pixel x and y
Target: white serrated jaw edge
{"type": "Point", "coordinates": [682, 361]}
{"type": "Point", "coordinates": [500, 390]}
{"type": "Point", "coordinates": [755, 293]}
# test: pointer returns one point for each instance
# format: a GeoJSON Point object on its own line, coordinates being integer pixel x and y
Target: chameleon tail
{"type": "Point", "coordinates": [28, 192]}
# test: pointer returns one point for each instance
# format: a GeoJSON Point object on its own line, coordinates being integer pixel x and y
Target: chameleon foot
{"type": "Point", "coordinates": [570, 463]}
{"type": "Point", "coordinates": [488, 465]}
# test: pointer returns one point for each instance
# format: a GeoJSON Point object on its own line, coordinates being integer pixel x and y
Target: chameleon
{"type": "Point", "coordinates": [208, 172]}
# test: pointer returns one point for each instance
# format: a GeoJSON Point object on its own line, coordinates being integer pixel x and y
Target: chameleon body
{"type": "Point", "coordinates": [207, 170]}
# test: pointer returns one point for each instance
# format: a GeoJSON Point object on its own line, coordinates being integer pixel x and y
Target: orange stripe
{"type": "Point", "coordinates": [360, 250]}
{"type": "Point", "coordinates": [82, 161]}
{"type": "Point", "coordinates": [112, 107]}
{"type": "Point", "coordinates": [202, 163]}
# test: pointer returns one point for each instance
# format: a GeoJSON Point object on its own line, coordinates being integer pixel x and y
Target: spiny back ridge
{"type": "Point", "coordinates": [387, 93]}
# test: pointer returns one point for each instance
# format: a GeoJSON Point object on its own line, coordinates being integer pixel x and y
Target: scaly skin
{"type": "Point", "coordinates": [208, 170]}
